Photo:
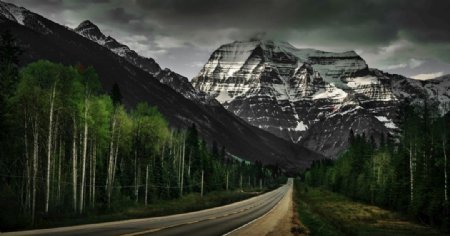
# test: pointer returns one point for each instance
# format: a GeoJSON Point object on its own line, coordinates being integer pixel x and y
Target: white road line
{"type": "Point", "coordinates": [256, 204]}
{"type": "Point", "coordinates": [253, 202]}
{"type": "Point", "coordinates": [251, 222]}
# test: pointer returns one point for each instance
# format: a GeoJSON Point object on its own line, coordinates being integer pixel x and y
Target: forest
{"type": "Point", "coordinates": [68, 147]}
{"type": "Point", "coordinates": [407, 172]}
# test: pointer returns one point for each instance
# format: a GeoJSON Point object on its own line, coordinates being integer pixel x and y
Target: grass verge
{"type": "Point", "coordinates": [129, 210]}
{"type": "Point", "coordinates": [326, 213]}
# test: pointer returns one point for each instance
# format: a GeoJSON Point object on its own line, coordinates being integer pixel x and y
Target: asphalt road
{"type": "Point", "coordinates": [214, 221]}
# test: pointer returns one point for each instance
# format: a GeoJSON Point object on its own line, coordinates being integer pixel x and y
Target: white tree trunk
{"type": "Point", "coordinates": [35, 166]}
{"type": "Point", "coordinates": [227, 182]}
{"type": "Point", "coordinates": [146, 185]}
{"type": "Point", "coordinates": [178, 157]}
{"type": "Point", "coordinates": [116, 154]}
{"type": "Point", "coordinates": [182, 166]}
{"type": "Point", "coordinates": [136, 187]}
{"type": "Point", "coordinates": [83, 163]}
{"type": "Point", "coordinates": [49, 147]}
{"type": "Point", "coordinates": [240, 183]}
{"type": "Point", "coordinates": [201, 190]}
{"type": "Point", "coordinates": [94, 165]}
{"type": "Point", "coordinates": [56, 158]}
{"type": "Point", "coordinates": [28, 165]}
{"type": "Point", "coordinates": [90, 172]}
{"type": "Point", "coordinates": [411, 173]}
{"type": "Point", "coordinates": [74, 164]}
{"type": "Point", "coordinates": [189, 164]}
{"type": "Point", "coordinates": [445, 171]}
{"type": "Point", "coordinates": [59, 171]}
{"type": "Point", "coordinates": [110, 162]}
{"type": "Point", "coordinates": [136, 180]}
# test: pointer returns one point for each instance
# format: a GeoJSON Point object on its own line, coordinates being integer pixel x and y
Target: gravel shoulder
{"type": "Point", "coordinates": [279, 221]}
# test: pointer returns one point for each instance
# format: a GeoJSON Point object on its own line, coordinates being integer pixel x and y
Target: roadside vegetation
{"type": "Point", "coordinates": [71, 152]}
{"type": "Point", "coordinates": [326, 213]}
{"type": "Point", "coordinates": [407, 172]}
{"type": "Point", "coordinates": [129, 210]}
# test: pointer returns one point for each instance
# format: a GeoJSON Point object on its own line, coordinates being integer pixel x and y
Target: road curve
{"type": "Point", "coordinates": [214, 221]}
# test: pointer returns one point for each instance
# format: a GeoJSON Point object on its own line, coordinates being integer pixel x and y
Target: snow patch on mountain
{"type": "Point", "coordinates": [387, 122]}
{"type": "Point", "coordinates": [13, 12]}
{"type": "Point", "coordinates": [301, 126]}
{"type": "Point", "coordinates": [330, 93]}
{"type": "Point", "coordinates": [359, 81]}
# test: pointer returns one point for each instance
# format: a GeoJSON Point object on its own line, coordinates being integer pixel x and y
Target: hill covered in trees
{"type": "Point", "coordinates": [69, 148]}
{"type": "Point", "coordinates": [407, 174]}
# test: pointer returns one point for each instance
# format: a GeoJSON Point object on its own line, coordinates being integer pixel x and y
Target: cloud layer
{"type": "Point", "coordinates": [400, 36]}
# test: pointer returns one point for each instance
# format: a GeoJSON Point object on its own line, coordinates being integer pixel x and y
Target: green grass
{"type": "Point", "coordinates": [327, 213]}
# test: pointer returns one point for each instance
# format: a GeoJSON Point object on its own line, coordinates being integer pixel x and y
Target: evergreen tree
{"type": "Point", "coordinates": [115, 94]}
{"type": "Point", "coordinates": [9, 64]}
{"type": "Point", "coordinates": [9, 78]}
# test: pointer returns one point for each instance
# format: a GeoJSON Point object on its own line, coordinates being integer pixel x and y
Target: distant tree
{"type": "Point", "coordinates": [351, 136]}
{"type": "Point", "coordinates": [215, 150]}
{"type": "Point", "coordinates": [9, 76]}
{"type": "Point", "coordinates": [115, 94]}
{"type": "Point", "coordinates": [9, 63]}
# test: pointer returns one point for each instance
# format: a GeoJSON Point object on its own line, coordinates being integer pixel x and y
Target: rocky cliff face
{"type": "Point", "coordinates": [304, 95]}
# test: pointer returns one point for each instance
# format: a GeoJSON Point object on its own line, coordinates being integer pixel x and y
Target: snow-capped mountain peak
{"type": "Point", "coordinates": [307, 95]}
{"type": "Point", "coordinates": [91, 31]}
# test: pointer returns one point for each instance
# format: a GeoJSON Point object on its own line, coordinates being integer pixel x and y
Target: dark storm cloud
{"type": "Point", "coordinates": [369, 20]}
{"type": "Point", "coordinates": [402, 36]}
{"type": "Point", "coordinates": [119, 14]}
{"type": "Point", "coordinates": [51, 6]}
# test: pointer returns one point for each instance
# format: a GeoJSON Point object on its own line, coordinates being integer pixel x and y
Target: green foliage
{"type": "Point", "coordinates": [407, 175]}
{"type": "Point", "coordinates": [124, 158]}
{"type": "Point", "coordinates": [327, 213]}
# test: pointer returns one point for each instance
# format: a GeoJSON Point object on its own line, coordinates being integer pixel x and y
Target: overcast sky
{"type": "Point", "coordinates": [409, 37]}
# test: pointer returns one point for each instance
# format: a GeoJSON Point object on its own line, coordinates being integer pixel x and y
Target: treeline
{"type": "Point", "coordinates": [69, 148]}
{"type": "Point", "coordinates": [408, 173]}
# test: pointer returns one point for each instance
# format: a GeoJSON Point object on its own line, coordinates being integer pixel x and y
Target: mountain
{"type": "Point", "coordinates": [176, 81]}
{"type": "Point", "coordinates": [439, 88]}
{"type": "Point", "coordinates": [41, 38]}
{"type": "Point", "coordinates": [309, 96]}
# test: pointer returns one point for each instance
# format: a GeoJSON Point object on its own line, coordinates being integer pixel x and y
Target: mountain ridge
{"type": "Point", "coordinates": [296, 93]}
{"type": "Point", "coordinates": [63, 45]}
{"type": "Point", "coordinates": [166, 76]}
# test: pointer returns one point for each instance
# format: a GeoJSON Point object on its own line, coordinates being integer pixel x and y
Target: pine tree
{"type": "Point", "coordinates": [115, 94]}
{"type": "Point", "coordinates": [9, 78]}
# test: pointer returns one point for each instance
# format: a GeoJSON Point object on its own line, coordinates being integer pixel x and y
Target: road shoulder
{"type": "Point", "coordinates": [278, 221]}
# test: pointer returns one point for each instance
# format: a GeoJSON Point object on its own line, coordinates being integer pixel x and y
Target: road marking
{"type": "Point", "coordinates": [211, 218]}
{"type": "Point", "coordinates": [193, 222]}
{"type": "Point", "coordinates": [96, 226]}
{"type": "Point", "coordinates": [251, 222]}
